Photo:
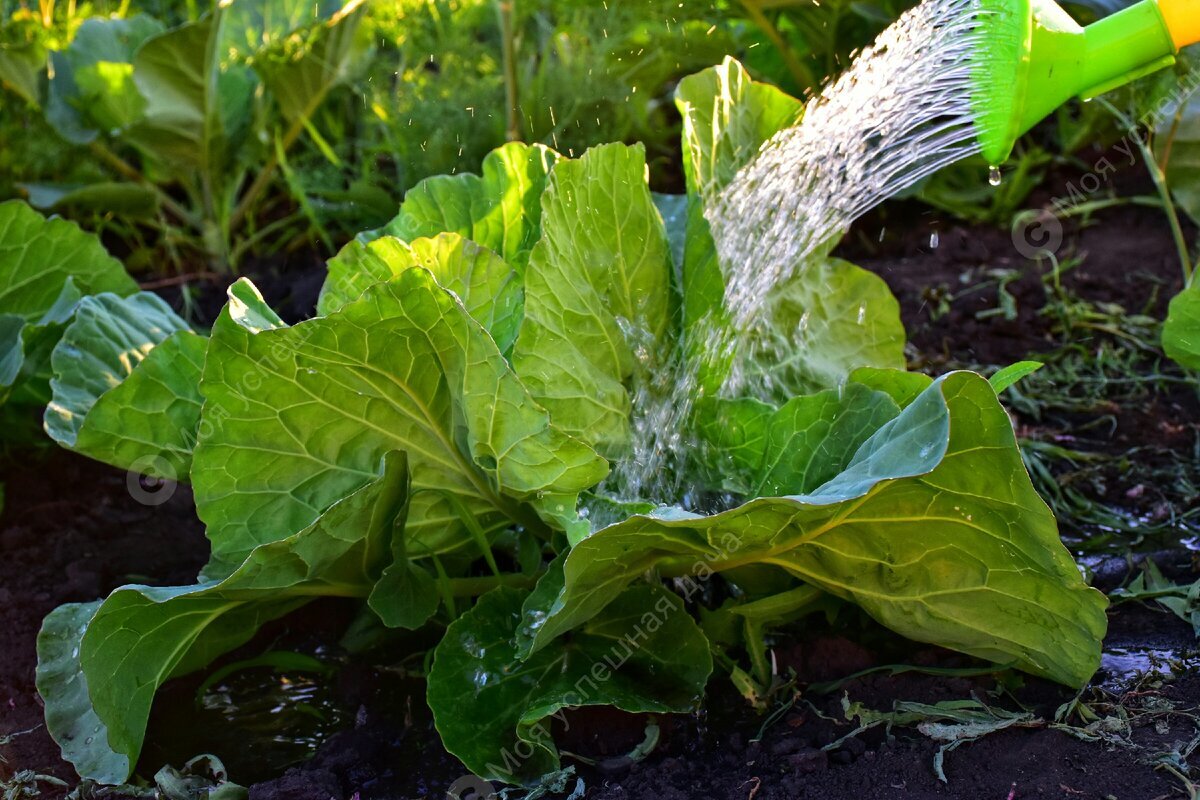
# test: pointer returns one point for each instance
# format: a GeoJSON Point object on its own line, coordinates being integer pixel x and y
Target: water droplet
{"type": "Point", "coordinates": [994, 176]}
{"type": "Point", "coordinates": [934, 241]}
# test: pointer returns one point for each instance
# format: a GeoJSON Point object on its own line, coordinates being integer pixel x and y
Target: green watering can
{"type": "Point", "coordinates": [1035, 57]}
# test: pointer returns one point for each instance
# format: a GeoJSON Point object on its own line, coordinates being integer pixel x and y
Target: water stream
{"type": "Point", "coordinates": [899, 113]}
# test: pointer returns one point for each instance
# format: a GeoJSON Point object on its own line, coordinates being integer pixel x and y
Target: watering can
{"type": "Point", "coordinates": [1034, 57]}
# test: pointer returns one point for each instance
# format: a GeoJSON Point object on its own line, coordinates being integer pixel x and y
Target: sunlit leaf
{"type": "Point", "coordinates": [597, 295]}
{"type": "Point", "coordinates": [92, 90]}
{"type": "Point", "coordinates": [500, 210]}
{"type": "Point", "coordinates": [295, 418]}
{"type": "Point", "coordinates": [126, 386]}
{"type": "Point", "coordinates": [933, 528]}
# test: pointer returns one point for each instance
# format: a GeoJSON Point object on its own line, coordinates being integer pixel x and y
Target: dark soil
{"type": "Point", "coordinates": [384, 746]}
{"type": "Point", "coordinates": [71, 531]}
{"type": "Point", "coordinates": [290, 284]}
{"type": "Point", "coordinates": [1123, 266]}
{"type": "Point", "coordinates": [364, 732]}
{"type": "Point", "coordinates": [948, 304]}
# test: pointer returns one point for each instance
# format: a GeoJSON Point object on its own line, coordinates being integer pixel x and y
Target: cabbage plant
{"type": "Point", "coordinates": [47, 266]}
{"type": "Point", "coordinates": [438, 443]}
{"type": "Point", "coordinates": [194, 121]}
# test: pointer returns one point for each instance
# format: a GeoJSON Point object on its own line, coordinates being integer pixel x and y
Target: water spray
{"type": "Point", "coordinates": [949, 79]}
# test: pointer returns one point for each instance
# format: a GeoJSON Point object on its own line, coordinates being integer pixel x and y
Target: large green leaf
{"type": "Point", "coordinates": [46, 265]}
{"type": "Point", "coordinates": [500, 210]}
{"type": "Point", "coordinates": [70, 717]}
{"type": "Point", "coordinates": [829, 321]}
{"type": "Point", "coordinates": [295, 418]}
{"type": "Point", "coordinates": [301, 79]}
{"type": "Point", "coordinates": [257, 25]}
{"type": "Point", "coordinates": [126, 386]}
{"type": "Point", "coordinates": [902, 387]}
{"type": "Point", "coordinates": [643, 653]}
{"type": "Point", "coordinates": [488, 287]}
{"type": "Point", "coordinates": [22, 65]}
{"type": "Point", "coordinates": [597, 295]}
{"type": "Point", "coordinates": [38, 255]}
{"type": "Point", "coordinates": [763, 451]}
{"type": "Point", "coordinates": [933, 528]}
{"type": "Point", "coordinates": [92, 88]}
{"type": "Point", "coordinates": [1181, 331]}
{"type": "Point", "coordinates": [100, 665]}
{"type": "Point", "coordinates": [817, 327]}
{"type": "Point", "coordinates": [726, 119]}
{"type": "Point", "coordinates": [25, 349]}
{"type": "Point", "coordinates": [195, 110]}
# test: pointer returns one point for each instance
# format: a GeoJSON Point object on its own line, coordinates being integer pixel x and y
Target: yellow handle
{"type": "Point", "coordinates": [1183, 20]}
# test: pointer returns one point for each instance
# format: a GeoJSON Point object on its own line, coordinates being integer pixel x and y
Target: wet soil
{"type": "Point", "coordinates": [383, 744]}
{"type": "Point", "coordinates": [72, 530]}
{"type": "Point", "coordinates": [970, 300]}
{"type": "Point", "coordinates": [948, 279]}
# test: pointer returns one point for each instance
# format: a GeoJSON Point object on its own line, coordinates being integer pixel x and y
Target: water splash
{"type": "Point", "coordinates": [902, 111]}
{"type": "Point", "coordinates": [655, 468]}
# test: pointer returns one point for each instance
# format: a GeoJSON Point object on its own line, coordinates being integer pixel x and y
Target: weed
{"type": "Point", "coordinates": [25, 784]}
{"type": "Point", "coordinates": [1103, 366]}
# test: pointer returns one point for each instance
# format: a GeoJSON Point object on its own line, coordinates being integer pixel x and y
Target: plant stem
{"type": "Point", "coordinates": [1175, 123]}
{"type": "Point", "coordinates": [246, 244]}
{"type": "Point", "coordinates": [1159, 176]}
{"type": "Point", "coordinates": [1160, 183]}
{"type": "Point", "coordinates": [129, 171]}
{"type": "Point", "coordinates": [177, 280]}
{"type": "Point", "coordinates": [504, 10]}
{"type": "Point", "coordinates": [756, 647]}
{"type": "Point", "coordinates": [472, 587]}
{"type": "Point", "coordinates": [800, 73]}
{"type": "Point", "coordinates": [263, 179]}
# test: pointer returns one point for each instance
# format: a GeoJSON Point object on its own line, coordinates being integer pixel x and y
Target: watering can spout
{"type": "Point", "coordinates": [1034, 57]}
